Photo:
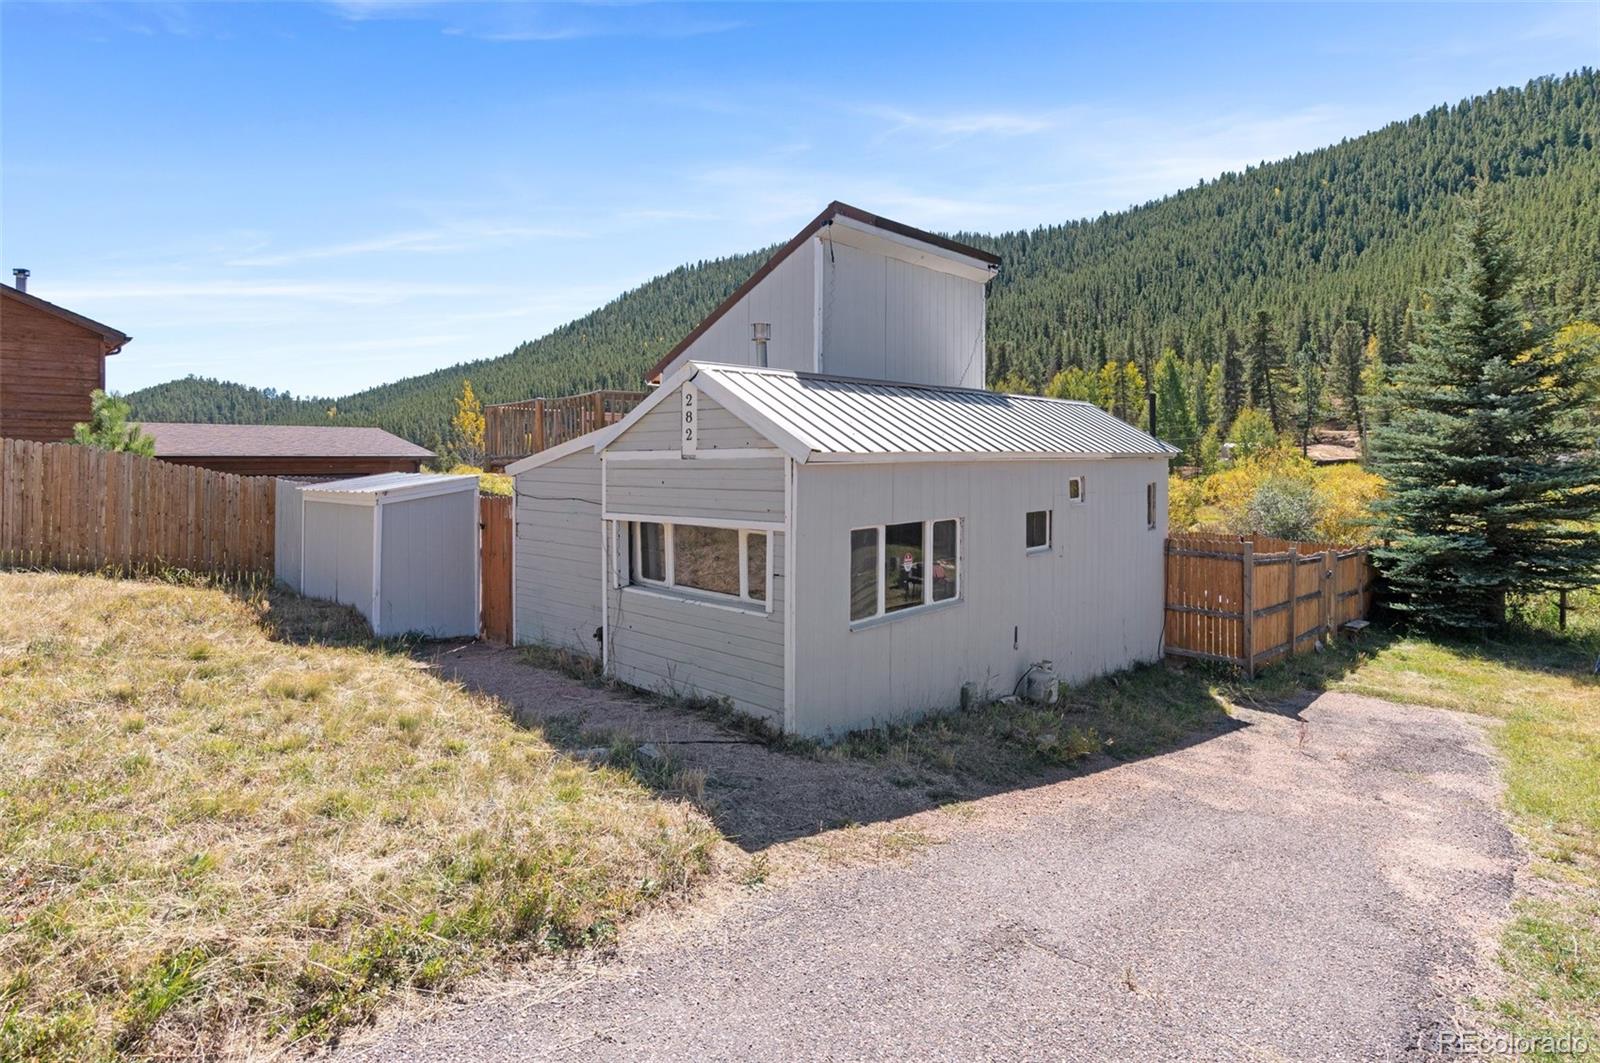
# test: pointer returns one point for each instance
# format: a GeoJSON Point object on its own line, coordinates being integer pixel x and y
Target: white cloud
{"type": "Point", "coordinates": [339, 291]}
{"type": "Point", "coordinates": [961, 124]}
{"type": "Point", "coordinates": [437, 240]}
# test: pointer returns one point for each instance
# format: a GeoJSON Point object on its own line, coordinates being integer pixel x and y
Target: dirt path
{"type": "Point", "coordinates": [1315, 886]}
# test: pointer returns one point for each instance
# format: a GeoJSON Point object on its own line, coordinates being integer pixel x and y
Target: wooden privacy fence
{"type": "Point", "coordinates": [1252, 600]}
{"type": "Point", "coordinates": [74, 507]}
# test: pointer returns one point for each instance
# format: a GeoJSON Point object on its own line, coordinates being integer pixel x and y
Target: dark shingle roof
{"type": "Point", "coordinates": [175, 440]}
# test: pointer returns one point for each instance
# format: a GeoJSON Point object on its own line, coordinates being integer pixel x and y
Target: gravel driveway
{"type": "Point", "coordinates": [1320, 884]}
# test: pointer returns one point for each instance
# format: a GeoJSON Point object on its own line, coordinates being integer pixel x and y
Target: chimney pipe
{"type": "Point", "coordinates": [760, 333]}
{"type": "Point", "coordinates": [1150, 404]}
{"type": "Point", "coordinates": [20, 276]}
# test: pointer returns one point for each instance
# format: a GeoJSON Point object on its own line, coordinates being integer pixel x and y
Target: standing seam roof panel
{"type": "Point", "coordinates": [841, 415]}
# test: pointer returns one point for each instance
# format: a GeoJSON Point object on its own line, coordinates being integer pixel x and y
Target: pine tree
{"type": "Point", "coordinates": [1492, 479]}
{"type": "Point", "coordinates": [1348, 362]}
{"type": "Point", "coordinates": [1174, 416]}
{"type": "Point", "coordinates": [1263, 359]}
{"type": "Point", "coordinates": [108, 427]}
{"type": "Point", "coordinates": [1231, 394]}
{"type": "Point", "coordinates": [1308, 377]}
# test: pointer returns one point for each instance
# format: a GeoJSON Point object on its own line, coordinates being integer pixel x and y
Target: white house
{"type": "Point", "coordinates": [829, 550]}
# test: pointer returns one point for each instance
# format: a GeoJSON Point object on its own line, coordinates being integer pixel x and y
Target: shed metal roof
{"type": "Point", "coordinates": [819, 417]}
{"type": "Point", "coordinates": [386, 485]}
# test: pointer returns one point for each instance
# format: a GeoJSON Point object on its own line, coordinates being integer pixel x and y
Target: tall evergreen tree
{"type": "Point", "coordinates": [1492, 478]}
{"type": "Point", "coordinates": [1263, 358]}
{"type": "Point", "coordinates": [1231, 394]}
{"type": "Point", "coordinates": [1308, 380]}
{"type": "Point", "coordinates": [1348, 360]}
{"type": "Point", "coordinates": [1174, 417]}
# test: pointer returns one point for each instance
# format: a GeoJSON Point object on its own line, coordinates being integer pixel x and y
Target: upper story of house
{"type": "Point", "coordinates": [854, 295]}
{"type": "Point", "coordinates": [51, 360]}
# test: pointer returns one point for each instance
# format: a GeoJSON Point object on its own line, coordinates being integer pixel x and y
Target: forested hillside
{"type": "Point", "coordinates": [1345, 233]}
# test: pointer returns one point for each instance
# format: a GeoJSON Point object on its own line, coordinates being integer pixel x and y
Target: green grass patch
{"type": "Point", "coordinates": [229, 819]}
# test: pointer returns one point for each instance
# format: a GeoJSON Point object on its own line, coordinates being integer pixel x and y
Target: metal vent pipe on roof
{"type": "Point", "coordinates": [760, 333]}
{"type": "Point", "coordinates": [21, 277]}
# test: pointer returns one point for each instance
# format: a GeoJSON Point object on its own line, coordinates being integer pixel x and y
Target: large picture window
{"type": "Point", "coordinates": [896, 567]}
{"type": "Point", "coordinates": [723, 562]}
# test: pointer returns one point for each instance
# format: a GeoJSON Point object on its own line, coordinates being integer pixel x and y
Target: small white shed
{"type": "Point", "coordinates": [400, 547]}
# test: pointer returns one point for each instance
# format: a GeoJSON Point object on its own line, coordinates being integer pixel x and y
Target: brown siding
{"type": "Point", "coordinates": [269, 466]}
{"type": "Point", "coordinates": [48, 367]}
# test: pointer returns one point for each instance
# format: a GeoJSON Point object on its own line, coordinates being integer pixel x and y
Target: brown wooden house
{"type": "Point", "coordinates": [299, 451]}
{"type": "Point", "coordinates": [50, 360]}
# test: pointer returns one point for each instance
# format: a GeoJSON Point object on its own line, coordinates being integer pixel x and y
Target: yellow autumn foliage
{"type": "Point", "coordinates": [1342, 496]}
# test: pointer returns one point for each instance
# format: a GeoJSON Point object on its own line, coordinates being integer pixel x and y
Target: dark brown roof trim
{"type": "Point", "coordinates": [833, 210]}
{"type": "Point", "coordinates": [113, 338]}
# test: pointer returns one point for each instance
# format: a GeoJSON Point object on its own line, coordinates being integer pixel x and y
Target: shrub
{"type": "Point", "coordinates": [1284, 507]}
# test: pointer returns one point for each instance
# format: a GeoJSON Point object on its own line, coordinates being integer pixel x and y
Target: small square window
{"type": "Point", "coordinates": [1038, 530]}
{"type": "Point", "coordinates": [1075, 489]}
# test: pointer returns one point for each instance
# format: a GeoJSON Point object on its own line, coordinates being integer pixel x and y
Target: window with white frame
{"type": "Point", "coordinates": [896, 567]}
{"type": "Point", "coordinates": [1150, 506]}
{"type": "Point", "coordinates": [1037, 530]}
{"type": "Point", "coordinates": [1074, 489]}
{"type": "Point", "coordinates": [721, 562]}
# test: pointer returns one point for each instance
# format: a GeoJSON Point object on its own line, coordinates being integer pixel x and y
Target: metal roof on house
{"type": "Point", "coordinates": [177, 439]}
{"type": "Point", "coordinates": [844, 417]}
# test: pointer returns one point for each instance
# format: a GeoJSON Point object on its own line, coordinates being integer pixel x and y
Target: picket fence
{"type": "Point", "coordinates": [72, 507]}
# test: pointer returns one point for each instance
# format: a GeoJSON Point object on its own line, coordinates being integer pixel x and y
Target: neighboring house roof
{"type": "Point", "coordinates": [178, 440]}
{"type": "Point", "coordinates": [815, 417]}
{"type": "Point", "coordinates": [112, 338]}
{"type": "Point", "coordinates": [833, 210]}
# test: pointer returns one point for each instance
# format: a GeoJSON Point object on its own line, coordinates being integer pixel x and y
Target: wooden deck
{"type": "Point", "coordinates": [514, 430]}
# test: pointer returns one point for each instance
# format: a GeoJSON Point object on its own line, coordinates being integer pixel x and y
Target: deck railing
{"type": "Point", "coordinates": [515, 430]}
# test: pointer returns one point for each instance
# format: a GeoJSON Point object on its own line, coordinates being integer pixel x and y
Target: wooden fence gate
{"type": "Point", "coordinates": [1252, 600]}
{"type": "Point", "coordinates": [494, 522]}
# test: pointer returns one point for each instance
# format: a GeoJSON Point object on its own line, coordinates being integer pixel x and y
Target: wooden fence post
{"type": "Point", "coordinates": [1330, 591]}
{"type": "Point", "coordinates": [1248, 606]}
{"type": "Point", "coordinates": [538, 425]}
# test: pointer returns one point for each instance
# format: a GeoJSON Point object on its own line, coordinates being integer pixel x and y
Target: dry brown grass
{"type": "Point", "coordinates": [211, 838]}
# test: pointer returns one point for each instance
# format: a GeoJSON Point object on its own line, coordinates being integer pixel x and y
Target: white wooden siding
{"type": "Point", "coordinates": [556, 580]}
{"type": "Point", "coordinates": [667, 642]}
{"type": "Point", "coordinates": [886, 319]}
{"type": "Point", "coordinates": [1092, 603]}
{"type": "Point", "coordinates": [748, 492]}
{"type": "Point", "coordinates": [661, 428]}
{"type": "Point", "coordinates": [784, 299]}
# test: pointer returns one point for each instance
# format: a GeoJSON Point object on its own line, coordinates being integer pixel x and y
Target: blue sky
{"type": "Point", "coordinates": [321, 197]}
